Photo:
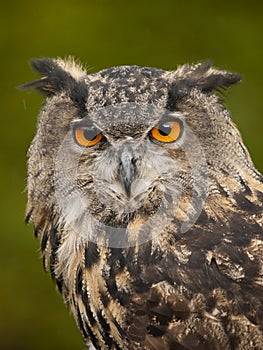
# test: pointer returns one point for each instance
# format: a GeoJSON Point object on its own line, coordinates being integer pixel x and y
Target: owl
{"type": "Point", "coordinates": [148, 207]}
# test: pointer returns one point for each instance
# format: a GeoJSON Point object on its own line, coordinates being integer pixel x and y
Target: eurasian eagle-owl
{"type": "Point", "coordinates": [148, 207]}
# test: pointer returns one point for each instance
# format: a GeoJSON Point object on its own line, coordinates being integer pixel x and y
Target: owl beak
{"type": "Point", "coordinates": [127, 169]}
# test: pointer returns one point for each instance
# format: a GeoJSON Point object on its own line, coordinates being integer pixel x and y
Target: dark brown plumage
{"type": "Point", "coordinates": [148, 207]}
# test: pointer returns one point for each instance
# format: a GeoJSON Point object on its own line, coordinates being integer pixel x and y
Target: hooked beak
{"type": "Point", "coordinates": [127, 169]}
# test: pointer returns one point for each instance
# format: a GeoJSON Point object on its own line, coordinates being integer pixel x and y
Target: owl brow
{"type": "Point", "coordinates": [85, 121]}
{"type": "Point", "coordinates": [171, 116]}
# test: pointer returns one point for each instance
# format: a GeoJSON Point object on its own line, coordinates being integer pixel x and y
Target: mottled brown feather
{"type": "Point", "coordinates": [196, 289]}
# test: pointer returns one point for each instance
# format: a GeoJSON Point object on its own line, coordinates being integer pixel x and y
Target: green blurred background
{"type": "Point", "coordinates": [101, 33]}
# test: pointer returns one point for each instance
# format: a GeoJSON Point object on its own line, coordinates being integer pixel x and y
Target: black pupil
{"type": "Point", "coordinates": [90, 134]}
{"type": "Point", "coordinates": [165, 129]}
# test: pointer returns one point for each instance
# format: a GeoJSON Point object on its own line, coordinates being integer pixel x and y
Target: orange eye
{"type": "Point", "coordinates": [86, 136]}
{"type": "Point", "coordinates": [167, 131]}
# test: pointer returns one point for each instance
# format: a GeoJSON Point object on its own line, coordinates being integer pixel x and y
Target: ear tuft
{"type": "Point", "coordinates": [205, 77]}
{"type": "Point", "coordinates": [59, 75]}
{"type": "Point", "coordinates": [54, 80]}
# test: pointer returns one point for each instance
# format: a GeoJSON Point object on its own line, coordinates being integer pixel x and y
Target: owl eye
{"type": "Point", "coordinates": [167, 131]}
{"type": "Point", "coordinates": [86, 136]}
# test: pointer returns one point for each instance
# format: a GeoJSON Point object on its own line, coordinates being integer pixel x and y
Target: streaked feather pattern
{"type": "Point", "coordinates": [199, 289]}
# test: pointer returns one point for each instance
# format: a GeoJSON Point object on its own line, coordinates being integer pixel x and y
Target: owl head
{"type": "Point", "coordinates": [123, 152]}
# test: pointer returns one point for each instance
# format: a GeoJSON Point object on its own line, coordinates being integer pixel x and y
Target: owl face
{"type": "Point", "coordinates": [129, 166]}
{"type": "Point", "coordinates": [129, 147]}
{"type": "Point", "coordinates": [117, 171]}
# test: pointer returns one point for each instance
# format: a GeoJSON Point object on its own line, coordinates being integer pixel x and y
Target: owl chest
{"type": "Point", "coordinates": [97, 294]}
